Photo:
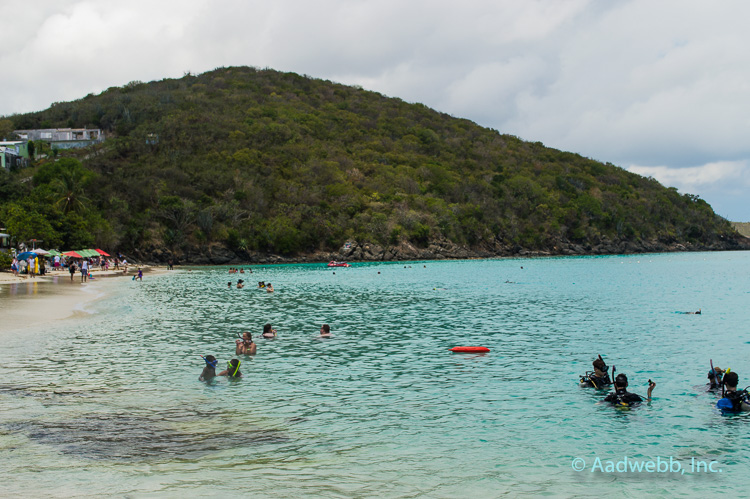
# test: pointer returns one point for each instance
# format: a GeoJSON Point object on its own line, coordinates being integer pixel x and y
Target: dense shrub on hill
{"type": "Point", "coordinates": [258, 160]}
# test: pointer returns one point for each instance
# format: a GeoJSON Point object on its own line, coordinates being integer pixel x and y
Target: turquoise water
{"type": "Point", "coordinates": [109, 403]}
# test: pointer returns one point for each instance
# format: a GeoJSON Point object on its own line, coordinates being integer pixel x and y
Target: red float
{"type": "Point", "coordinates": [470, 349]}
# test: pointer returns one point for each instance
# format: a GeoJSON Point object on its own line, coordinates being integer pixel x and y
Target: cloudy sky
{"type": "Point", "coordinates": [659, 88]}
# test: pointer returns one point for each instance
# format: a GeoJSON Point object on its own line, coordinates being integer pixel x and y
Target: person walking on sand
{"type": "Point", "coordinates": [72, 269]}
{"type": "Point", "coordinates": [85, 270]}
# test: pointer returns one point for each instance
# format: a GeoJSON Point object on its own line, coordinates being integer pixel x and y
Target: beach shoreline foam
{"type": "Point", "coordinates": [33, 302]}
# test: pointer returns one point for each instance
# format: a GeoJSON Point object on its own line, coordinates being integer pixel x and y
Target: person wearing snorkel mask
{"type": "Point", "coordinates": [209, 372]}
{"type": "Point", "coordinates": [599, 378]}
{"type": "Point", "coordinates": [623, 398]}
{"type": "Point", "coordinates": [232, 370]}
{"type": "Point", "coordinates": [714, 378]}
{"type": "Point", "coordinates": [245, 346]}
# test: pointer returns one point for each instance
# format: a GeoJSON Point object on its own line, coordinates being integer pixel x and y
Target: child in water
{"type": "Point", "coordinates": [209, 372]}
{"type": "Point", "coordinates": [268, 332]}
{"type": "Point", "coordinates": [325, 331]}
{"type": "Point", "coordinates": [232, 370]}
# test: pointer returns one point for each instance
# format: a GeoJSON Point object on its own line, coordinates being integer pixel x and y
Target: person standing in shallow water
{"type": "Point", "coordinates": [623, 398]}
{"type": "Point", "coordinates": [232, 370]}
{"type": "Point", "coordinates": [246, 345]}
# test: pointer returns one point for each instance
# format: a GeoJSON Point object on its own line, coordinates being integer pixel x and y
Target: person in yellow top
{"type": "Point", "coordinates": [36, 265]}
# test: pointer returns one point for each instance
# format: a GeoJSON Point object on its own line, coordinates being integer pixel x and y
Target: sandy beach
{"type": "Point", "coordinates": [32, 302]}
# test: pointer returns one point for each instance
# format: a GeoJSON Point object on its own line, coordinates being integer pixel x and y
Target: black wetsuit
{"type": "Point", "coordinates": [596, 381]}
{"type": "Point", "coordinates": [623, 398]}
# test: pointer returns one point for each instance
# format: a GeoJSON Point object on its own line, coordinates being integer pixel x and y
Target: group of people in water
{"type": "Point", "coordinates": [732, 400]}
{"type": "Point", "coordinates": [244, 345]}
{"type": "Point", "coordinates": [261, 285]}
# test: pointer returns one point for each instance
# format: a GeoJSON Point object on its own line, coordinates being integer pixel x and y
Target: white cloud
{"type": "Point", "coordinates": [724, 184]}
{"type": "Point", "coordinates": [632, 82]}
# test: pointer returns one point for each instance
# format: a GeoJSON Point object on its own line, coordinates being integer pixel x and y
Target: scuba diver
{"type": "Point", "coordinates": [733, 400]}
{"type": "Point", "coordinates": [599, 378]}
{"type": "Point", "coordinates": [714, 377]}
{"type": "Point", "coordinates": [623, 398]}
{"type": "Point", "coordinates": [209, 372]}
{"type": "Point", "coordinates": [233, 369]}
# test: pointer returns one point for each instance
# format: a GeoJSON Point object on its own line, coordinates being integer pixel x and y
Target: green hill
{"type": "Point", "coordinates": [239, 163]}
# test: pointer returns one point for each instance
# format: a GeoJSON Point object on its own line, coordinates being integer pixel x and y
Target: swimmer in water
{"type": "Point", "coordinates": [733, 400]}
{"type": "Point", "coordinates": [232, 370]}
{"type": "Point", "coordinates": [325, 331]}
{"type": "Point", "coordinates": [240, 284]}
{"type": "Point", "coordinates": [229, 285]}
{"type": "Point", "coordinates": [268, 332]}
{"type": "Point", "coordinates": [715, 376]}
{"type": "Point", "coordinates": [246, 345]}
{"type": "Point", "coordinates": [599, 378]}
{"type": "Point", "coordinates": [269, 287]}
{"type": "Point", "coordinates": [209, 372]}
{"type": "Point", "coordinates": [623, 398]}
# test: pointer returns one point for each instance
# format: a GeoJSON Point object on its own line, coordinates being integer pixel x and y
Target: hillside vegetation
{"type": "Point", "coordinates": [240, 162]}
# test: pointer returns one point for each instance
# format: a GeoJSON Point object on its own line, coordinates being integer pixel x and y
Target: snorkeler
{"type": "Point", "coordinates": [623, 398]}
{"type": "Point", "coordinates": [245, 345]}
{"type": "Point", "coordinates": [209, 372]}
{"type": "Point", "coordinates": [325, 331]}
{"type": "Point", "coordinates": [599, 378]}
{"type": "Point", "coordinates": [268, 332]}
{"type": "Point", "coordinates": [233, 369]}
{"type": "Point", "coordinates": [714, 377]}
{"type": "Point", "coordinates": [733, 400]}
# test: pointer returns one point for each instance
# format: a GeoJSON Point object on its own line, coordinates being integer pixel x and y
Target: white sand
{"type": "Point", "coordinates": [32, 302]}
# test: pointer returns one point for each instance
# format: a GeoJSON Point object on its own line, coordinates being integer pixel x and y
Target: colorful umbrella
{"type": "Point", "coordinates": [73, 254]}
{"type": "Point", "coordinates": [103, 253]}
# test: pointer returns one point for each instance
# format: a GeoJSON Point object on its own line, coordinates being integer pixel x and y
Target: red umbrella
{"type": "Point", "coordinates": [73, 254]}
{"type": "Point", "coordinates": [103, 253]}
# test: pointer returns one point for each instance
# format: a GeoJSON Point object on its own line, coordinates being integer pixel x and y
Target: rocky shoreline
{"type": "Point", "coordinates": [354, 251]}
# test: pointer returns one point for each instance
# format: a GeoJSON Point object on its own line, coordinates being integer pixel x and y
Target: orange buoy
{"type": "Point", "coordinates": [470, 349]}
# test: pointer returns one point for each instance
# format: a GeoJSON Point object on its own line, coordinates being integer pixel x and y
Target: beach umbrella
{"type": "Point", "coordinates": [25, 255]}
{"type": "Point", "coordinates": [54, 253]}
{"type": "Point", "coordinates": [103, 253]}
{"type": "Point", "coordinates": [86, 253]}
{"type": "Point", "coordinates": [40, 251]}
{"type": "Point", "coordinates": [73, 254]}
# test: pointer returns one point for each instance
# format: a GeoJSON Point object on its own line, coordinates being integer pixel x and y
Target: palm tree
{"type": "Point", "coordinates": [70, 189]}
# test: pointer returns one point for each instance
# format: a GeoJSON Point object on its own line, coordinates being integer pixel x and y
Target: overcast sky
{"type": "Point", "coordinates": [661, 88]}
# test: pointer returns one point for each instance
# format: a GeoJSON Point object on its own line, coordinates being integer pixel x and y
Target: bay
{"type": "Point", "coordinates": [110, 404]}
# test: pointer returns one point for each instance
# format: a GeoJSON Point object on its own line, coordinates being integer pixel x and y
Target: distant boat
{"type": "Point", "coordinates": [338, 264]}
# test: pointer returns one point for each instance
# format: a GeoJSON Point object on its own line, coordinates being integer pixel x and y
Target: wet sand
{"type": "Point", "coordinates": [30, 303]}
